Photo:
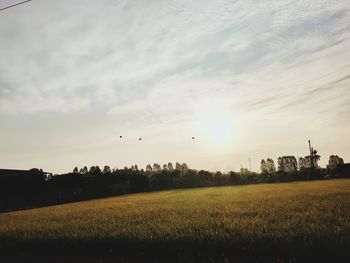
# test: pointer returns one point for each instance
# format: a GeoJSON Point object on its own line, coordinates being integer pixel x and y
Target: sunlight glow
{"type": "Point", "coordinates": [217, 129]}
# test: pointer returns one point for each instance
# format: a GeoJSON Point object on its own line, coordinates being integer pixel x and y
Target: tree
{"type": "Point", "coordinates": [95, 170]}
{"type": "Point", "coordinates": [334, 161]}
{"type": "Point", "coordinates": [204, 177]}
{"type": "Point", "coordinates": [309, 161]}
{"type": "Point", "coordinates": [219, 178]}
{"type": "Point", "coordinates": [271, 168]}
{"type": "Point", "coordinates": [263, 167]}
{"type": "Point", "coordinates": [244, 171]}
{"type": "Point", "coordinates": [184, 168]}
{"type": "Point", "coordinates": [134, 167]}
{"type": "Point", "coordinates": [156, 168]}
{"type": "Point", "coordinates": [234, 177]}
{"type": "Point", "coordinates": [287, 164]}
{"type": "Point", "coordinates": [75, 170]}
{"type": "Point", "coordinates": [178, 167]}
{"type": "Point", "coordinates": [170, 167]}
{"type": "Point", "coordinates": [190, 178]}
{"type": "Point", "coordinates": [316, 158]}
{"type": "Point", "coordinates": [106, 169]}
{"type": "Point", "coordinates": [280, 164]}
{"type": "Point", "coordinates": [35, 170]}
{"type": "Point", "coordinates": [148, 168]}
{"type": "Point", "coordinates": [304, 162]}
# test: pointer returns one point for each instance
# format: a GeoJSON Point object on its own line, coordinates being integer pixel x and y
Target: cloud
{"type": "Point", "coordinates": [122, 51]}
{"type": "Point", "coordinates": [151, 66]}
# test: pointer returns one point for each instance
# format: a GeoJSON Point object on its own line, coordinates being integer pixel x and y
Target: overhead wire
{"type": "Point", "coordinates": [10, 6]}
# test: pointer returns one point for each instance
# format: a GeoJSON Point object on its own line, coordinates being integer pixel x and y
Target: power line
{"type": "Point", "coordinates": [7, 7]}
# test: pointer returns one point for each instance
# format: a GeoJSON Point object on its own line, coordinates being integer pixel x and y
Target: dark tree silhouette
{"type": "Point", "coordinates": [263, 167]}
{"type": "Point", "coordinates": [95, 170]}
{"type": "Point", "coordinates": [106, 169]}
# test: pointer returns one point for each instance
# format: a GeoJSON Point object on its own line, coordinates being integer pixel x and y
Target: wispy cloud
{"type": "Point", "coordinates": [153, 64]}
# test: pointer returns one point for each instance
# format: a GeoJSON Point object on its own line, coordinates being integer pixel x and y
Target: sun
{"type": "Point", "coordinates": [217, 132]}
{"type": "Point", "coordinates": [217, 128]}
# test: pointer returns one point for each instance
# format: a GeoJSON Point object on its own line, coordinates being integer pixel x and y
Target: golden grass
{"type": "Point", "coordinates": [302, 214]}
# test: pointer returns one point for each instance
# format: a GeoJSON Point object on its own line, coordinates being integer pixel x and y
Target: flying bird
{"type": "Point", "coordinates": [120, 136]}
{"type": "Point", "coordinates": [140, 139]}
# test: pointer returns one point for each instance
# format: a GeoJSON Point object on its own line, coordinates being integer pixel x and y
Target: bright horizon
{"type": "Point", "coordinates": [245, 79]}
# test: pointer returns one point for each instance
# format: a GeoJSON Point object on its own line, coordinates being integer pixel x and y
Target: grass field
{"type": "Point", "coordinates": [270, 222]}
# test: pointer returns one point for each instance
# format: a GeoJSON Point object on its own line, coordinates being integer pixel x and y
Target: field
{"type": "Point", "coordinates": [270, 222]}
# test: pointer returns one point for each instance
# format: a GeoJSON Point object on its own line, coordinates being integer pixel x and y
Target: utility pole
{"type": "Point", "coordinates": [311, 156]}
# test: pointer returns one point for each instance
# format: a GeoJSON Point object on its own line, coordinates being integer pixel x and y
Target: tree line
{"type": "Point", "coordinates": [87, 183]}
{"type": "Point", "coordinates": [168, 176]}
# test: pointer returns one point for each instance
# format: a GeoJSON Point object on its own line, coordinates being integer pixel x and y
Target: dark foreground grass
{"type": "Point", "coordinates": [304, 221]}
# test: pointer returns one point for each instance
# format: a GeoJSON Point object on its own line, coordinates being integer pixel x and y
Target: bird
{"type": "Point", "coordinates": [140, 139]}
{"type": "Point", "coordinates": [120, 136]}
{"type": "Point", "coordinates": [192, 138]}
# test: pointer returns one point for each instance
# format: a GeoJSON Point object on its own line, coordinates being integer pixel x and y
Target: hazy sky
{"type": "Point", "coordinates": [246, 78]}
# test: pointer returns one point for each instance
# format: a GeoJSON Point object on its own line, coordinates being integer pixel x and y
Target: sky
{"type": "Point", "coordinates": [246, 79]}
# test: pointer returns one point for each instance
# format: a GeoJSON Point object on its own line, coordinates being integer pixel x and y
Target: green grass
{"type": "Point", "coordinates": [246, 223]}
